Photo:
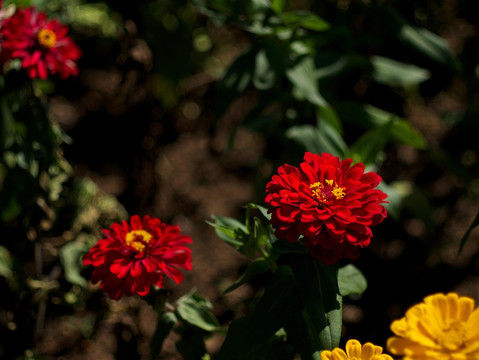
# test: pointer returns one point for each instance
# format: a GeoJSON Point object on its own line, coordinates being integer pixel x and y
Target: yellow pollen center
{"type": "Point", "coordinates": [138, 239]}
{"type": "Point", "coordinates": [324, 192]}
{"type": "Point", "coordinates": [47, 38]}
{"type": "Point", "coordinates": [452, 336]}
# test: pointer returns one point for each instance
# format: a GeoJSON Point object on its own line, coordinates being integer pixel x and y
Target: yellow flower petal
{"type": "Point", "coordinates": [338, 354]}
{"type": "Point", "coordinates": [442, 327]}
{"type": "Point", "coordinates": [353, 349]}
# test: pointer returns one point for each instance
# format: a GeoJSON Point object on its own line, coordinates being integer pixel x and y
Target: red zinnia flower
{"type": "Point", "coordinates": [329, 202]}
{"type": "Point", "coordinates": [41, 44]}
{"type": "Point", "coordinates": [138, 254]}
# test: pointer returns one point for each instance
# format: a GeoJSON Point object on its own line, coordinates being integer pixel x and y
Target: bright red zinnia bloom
{"type": "Point", "coordinates": [41, 44]}
{"type": "Point", "coordinates": [138, 254]}
{"type": "Point", "coordinates": [329, 202]}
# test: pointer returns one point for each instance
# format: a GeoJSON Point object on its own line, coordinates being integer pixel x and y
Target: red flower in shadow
{"type": "Point", "coordinates": [328, 202]}
{"type": "Point", "coordinates": [41, 44]}
{"type": "Point", "coordinates": [138, 254]}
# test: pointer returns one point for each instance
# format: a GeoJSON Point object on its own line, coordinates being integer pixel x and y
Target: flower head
{"type": "Point", "coordinates": [42, 45]}
{"type": "Point", "coordinates": [354, 351]}
{"type": "Point", "coordinates": [329, 202]}
{"type": "Point", "coordinates": [135, 255]}
{"type": "Point", "coordinates": [442, 327]}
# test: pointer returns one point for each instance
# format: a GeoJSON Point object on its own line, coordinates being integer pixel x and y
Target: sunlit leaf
{"type": "Point", "coordinates": [264, 76]}
{"type": "Point", "coordinates": [351, 280]}
{"type": "Point", "coordinates": [279, 5]}
{"type": "Point", "coordinates": [6, 263]}
{"type": "Point", "coordinates": [304, 78]}
{"type": "Point", "coordinates": [197, 311]}
{"type": "Point", "coordinates": [230, 230]}
{"type": "Point", "coordinates": [304, 19]}
{"type": "Point", "coordinates": [394, 73]}
{"type": "Point", "coordinates": [71, 255]}
{"type": "Point", "coordinates": [323, 138]}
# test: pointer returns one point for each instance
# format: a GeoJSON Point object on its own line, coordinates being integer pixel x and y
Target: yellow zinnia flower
{"type": "Point", "coordinates": [354, 351]}
{"type": "Point", "coordinates": [443, 327]}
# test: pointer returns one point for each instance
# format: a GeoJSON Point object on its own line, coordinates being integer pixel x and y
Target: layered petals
{"type": "Point", "coordinates": [356, 351]}
{"type": "Point", "coordinates": [443, 326]}
{"type": "Point", "coordinates": [42, 45]}
{"type": "Point", "coordinates": [331, 204]}
{"type": "Point", "coordinates": [137, 254]}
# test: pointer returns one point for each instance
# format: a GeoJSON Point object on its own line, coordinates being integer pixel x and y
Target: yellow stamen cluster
{"type": "Point", "coordinates": [323, 192]}
{"type": "Point", "coordinates": [46, 38]}
{"type": "Point", "coordinates": [138, 239]}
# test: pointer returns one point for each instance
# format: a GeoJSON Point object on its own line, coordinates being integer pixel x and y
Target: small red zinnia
{"type": "Point", "coordinates": [41, 44]}
{"type": "Point", "coordinates": [328, 202]}
{"type": "Point", "coordinates": [138, 254]}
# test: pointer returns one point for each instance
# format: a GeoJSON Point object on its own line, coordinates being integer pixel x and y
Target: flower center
{"type": "Point", "coordinates": [138, 239]}
{"type": "Point", "coordinates": [327, 190]}
{"type": "Point", "coordinates": [47, 38]}
{"type": "Point", "coordinates": [452, 336]}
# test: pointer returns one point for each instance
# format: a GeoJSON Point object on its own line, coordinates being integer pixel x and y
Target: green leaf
{"type": "Point", "coordinates": [236, 80]}
{"type": "Point", "coordinates": [197, 311]}
{"type": "Point", "coordinates": [429, 44]}
{"type": "Point", "coordinates": [273, 310]}
{"type": "Point", "coordinates": [393, 73]}
{"type": "Point", "coordinates": [230, 231]}
{"type": "Point", "coordinates": [305, 80]}
{"type": "Point", "coordinates": [71, 257]}
{"type": "Point", "coordinates": [321, 301]}
{"type": "Point", "coordinates": [279, 6]}
{"type": "Point", "coordinates": [304, 19]}
{"type": "Point", "coordinates": [403, 132]}
{"type": "Point", "coordinates": [420, 40]}
{"type": "Point", "coordinates": [328, 114]}
{"type": "Point", "coordinates": [368, 146]}
{"type": "Point", "coordinates": [6, 263]}
{"type": "Point", "coordinates": [474, 224]}
{"type": "Point", "coordinates": [397, 191]}
{"type": "Point", "coordinates": [303, 335]}
{"type": "Point", "coordinates": [351, 280]}
{"type": "Point", "coordinates": [256, 267]}
{"type": "Point", "coordinates": [165, 323]}
{"type": "Point", "coordinates": [264, 76]}
{"type": "Point", "coordinates": [323, 138]}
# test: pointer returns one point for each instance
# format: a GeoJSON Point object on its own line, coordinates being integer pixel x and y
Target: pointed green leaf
{"type": "Point", "coordinates": [197, 311]}
{"type": "Point", "coordinates": [71, 258]}
{"type": "Point", "coordinates": [270, 314]}
{"type": "Point", "coordinates": [305, 19]}
{"type": "Point", "coordinates": [256, 267]}
{"type": "Point", "coordinates": [474, 224]}
{"type": "Point", "coordinates": [351, 280]}
{"type": "Point", "coordinates": [305, 80]}
{"type": "Point", "coordinates": [279, 6]}
{"type": "Point", "coordinates": [165, 323]}
{"type": "Point", "coordinates": [318, 139]}
{"type": "Point", "coordinates": [230, 231]}
{"type": "Point", "coordinates": [6, 263]}
{"type": "Point", "coordinates": [394, 73]}
{"type": "Point", "coordinates": [321, 300]}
